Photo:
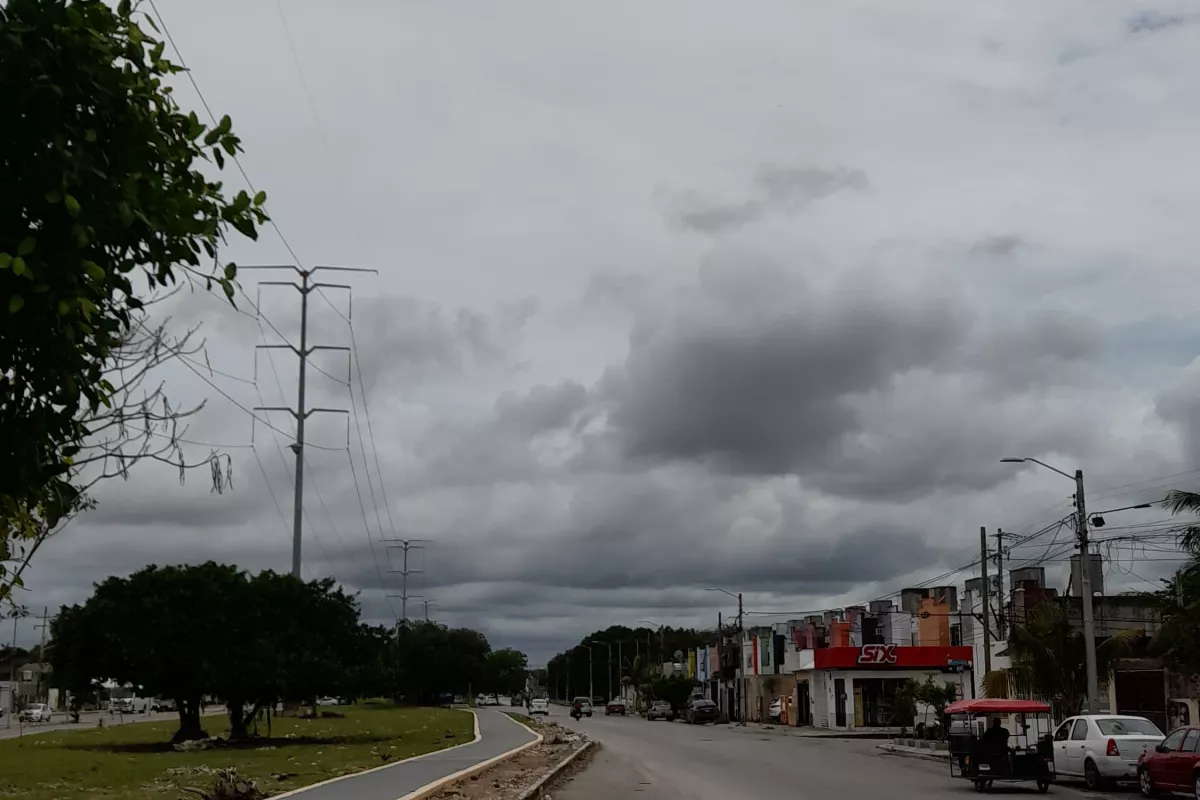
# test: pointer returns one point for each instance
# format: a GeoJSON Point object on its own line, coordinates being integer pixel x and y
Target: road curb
{"type": "Point", "coordinates": [535, 791]}
{"type": "Point", "coordinates": [347, 776]}
{"type": "Point", "coordinates": [433, 788]}
{"type": "Point", "coordinates": [892, 750]}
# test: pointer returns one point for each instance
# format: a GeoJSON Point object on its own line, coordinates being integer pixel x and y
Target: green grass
{"type": "Point", "coordinates": [133, 761]}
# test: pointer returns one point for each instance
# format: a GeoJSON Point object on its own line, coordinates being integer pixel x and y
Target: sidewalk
{"type": "Point", "coordinates": [808, 732]}
{"type": "Point", "coordinates": [498, 736]}
{"type": "Point", "coordinates": [927, 753]}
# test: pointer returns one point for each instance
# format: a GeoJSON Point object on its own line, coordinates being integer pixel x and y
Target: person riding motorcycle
{"type": "Point", "coordinates": [577, 710]}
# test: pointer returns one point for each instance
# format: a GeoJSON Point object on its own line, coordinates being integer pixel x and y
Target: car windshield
{"type": "Point", "coordinates": [1128, 727]}
{"type": "Point", "coordinates": [702, 704]}
{"type": "Point", "coordinates": [661, 703]}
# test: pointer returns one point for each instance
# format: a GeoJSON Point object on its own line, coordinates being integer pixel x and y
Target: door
{"type": "Point", "coordinates": [839, 702]}
{"type": "Point", "coordinates": [1077, 746]}
{"type": "Point", "coordinates": [1061, 738]}
{"type": "Point", "coordinates": [1160, 765]}
{"type": "Point", "coordinates": [1179, 763]}
{"type": "Point", "coordinates": [803, 711]}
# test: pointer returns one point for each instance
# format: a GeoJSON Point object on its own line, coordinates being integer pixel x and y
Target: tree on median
{"type": "Point", "coordinates": [505, 671]}
{"type": "Point", "coordinates": [192, 631]}
{"type": "Point", "coordinates": [109, 198]}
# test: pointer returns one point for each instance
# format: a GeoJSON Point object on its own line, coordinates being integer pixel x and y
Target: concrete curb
{"type": "Point", "coordinates": [912, 752]}
{"type": "Point", "coordinates": [535, 791]}
{"type": "Point", "coordinates": [347, 776]}
{"type": "Point", "coordinates": [433, 788]}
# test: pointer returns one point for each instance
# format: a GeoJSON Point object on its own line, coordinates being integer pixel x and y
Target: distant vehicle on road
{"type": "Point", "coordinates": [162, 704]}
{"type": "Point", "coordinates": [775, 710]}
{"type": "Point", "coordinates": [585, 705]}
{"type": "Point", "coordinates": [327, 701]}
{"type": "Point", "coordinates": [660, 709]}
{"type": "Point", "coordinates": [615, 706]}
{"type": "Point", "coordinates": [38, 712]}
{"type": "Point", "coordinates": [539, 705]}
{"type": "Point", "coordinates": [1103, 748]}
{"type": "Point", "coordinates": [700, 711]}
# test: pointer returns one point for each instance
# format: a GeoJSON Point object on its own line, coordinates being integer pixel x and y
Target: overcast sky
{"type": "Point", "coordinates": [677, 295]}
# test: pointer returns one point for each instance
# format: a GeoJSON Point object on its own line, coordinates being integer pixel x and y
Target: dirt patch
{"type": "Point", "coordinates": [510, 778]}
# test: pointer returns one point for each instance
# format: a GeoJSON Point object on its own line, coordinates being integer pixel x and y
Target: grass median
{"type": "Point", "coordinates": [136, 762]}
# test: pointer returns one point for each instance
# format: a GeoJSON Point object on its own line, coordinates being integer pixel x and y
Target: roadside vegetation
{"type": "Point", "coordinates": [138, 763]}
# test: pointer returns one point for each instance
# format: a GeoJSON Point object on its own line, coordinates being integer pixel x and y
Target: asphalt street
{"type": "Point", "coordinates": [674, 761]}
{"type": "Point", "coordinates": [90, 719]}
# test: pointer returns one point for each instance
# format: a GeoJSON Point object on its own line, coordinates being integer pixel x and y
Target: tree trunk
{"type": "Point", "coordinates": [237, 719]}
{"type": "Point", "coordinates": [189, 721]}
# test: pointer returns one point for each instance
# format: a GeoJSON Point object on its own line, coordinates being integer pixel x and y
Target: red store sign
{"type": "Point", "coordinates": [890, 656]}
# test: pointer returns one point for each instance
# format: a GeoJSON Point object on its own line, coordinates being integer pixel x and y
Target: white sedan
{"type": "Point", "coordinates": [539, 705]}
{"type": "Point", "coordinates": [1103, 748]}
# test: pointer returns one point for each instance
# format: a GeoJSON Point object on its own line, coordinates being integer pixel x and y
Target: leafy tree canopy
{"type": "Point", "coordinates": [108, 197]}
{"type": "Point", "coordinates": [191, 631]}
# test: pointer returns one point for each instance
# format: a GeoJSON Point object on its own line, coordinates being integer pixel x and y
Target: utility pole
{"type": "Point", "coordinates": [301, 413]}
{"type": "Point", "coordinates": [591, 691]}
{"type": "Point", "coordinates": [1085, 588]}
{"type": "Point", "coordinates": [426, 602]}
{"type": "Point", "coordinates": [405, 545]}
{"type": "Point", "coordinates": [1002, 604]}
{"type": "Point", "coordinates": [987, 604]}
{"type": "Point", "coordinates": [16, 614]}
{"type": "Point", "coordinates": [720, 669]}
{"type": "Point", "coordinates": [42, 651]}
{"type": "Point", "coordinates": [741, 666]}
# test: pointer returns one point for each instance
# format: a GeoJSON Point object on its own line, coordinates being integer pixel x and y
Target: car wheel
{"type": "Point", "coordinates": [1092, 778]}
{"type": "Point", "coordinates": [1145, 783]}
{"type": "Point", "coordinates": [1196, 785]}
{"type": "Point", "coordinates": [1043, 786]}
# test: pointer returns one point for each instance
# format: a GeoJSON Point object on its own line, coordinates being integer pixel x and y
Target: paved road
{"type": "Point", "coordinates": [499, 734]}
{"type": "Point", "coordinates": [673, 761]}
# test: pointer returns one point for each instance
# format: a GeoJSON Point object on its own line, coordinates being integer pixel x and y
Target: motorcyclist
{"type": "Point", "coordinates": [576, 709]}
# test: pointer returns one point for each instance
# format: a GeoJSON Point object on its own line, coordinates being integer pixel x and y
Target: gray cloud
{"type": "Point", "coordinates": [785, 190]}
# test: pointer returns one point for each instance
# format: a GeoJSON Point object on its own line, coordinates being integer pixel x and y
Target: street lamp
{"type": "Point", "coordinates": [1085, 576]}
{"type": "Point", "coordinates": [741, 684]}
{"type": "Point", "coordinates": [661, 649]}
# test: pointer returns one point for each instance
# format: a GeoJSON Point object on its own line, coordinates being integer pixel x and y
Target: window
{"type": "Point", "coordinates": [1080, 731]}
{"type": "Point", "coordinates": [955, 636]}
{"type": "Point", "coordinates": [1172, 741]}
{"type": "Point", "coordinates": [27, 675]}
{"type": "Point", "coordinates": [1127, 727]}
{"type": "Point", "coordinates": [1189, 741]}
{"type": "Point", "coordinates": [1063, 732]}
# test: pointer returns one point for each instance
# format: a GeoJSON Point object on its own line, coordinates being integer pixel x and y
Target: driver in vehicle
{"type": "Point", "coordinates": [995, 743]}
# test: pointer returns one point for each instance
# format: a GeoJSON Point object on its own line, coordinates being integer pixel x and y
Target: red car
{"type": "Point", "coordinates": [1172, 766]}
{"type": "Point", "coordinates": [615, 706]}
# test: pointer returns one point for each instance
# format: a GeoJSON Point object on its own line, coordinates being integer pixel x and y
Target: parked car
{"type": "Point", "coordinates": [539, 705]}
{"type": "Point", "coordinates": [1173, 765]}
{"type": "Point", "coordinates": [660, 709]}
{"type": "Point", "coordinates": [584, 704]}
{"type": "Point", "coordinates": [327, 701]}
{"type": "Point", "coordinates": [162, 705]}
{"type": "Point", "coordinates": [700, 711]}
{"type": "Point", "coordinates": [615, 706]}
{"type": "Point", "coordinates": [775, 710]}
{"type": "Point", "coordinates": [1103, 748]}
{"type": "Point", "coordinates": [38, 712]}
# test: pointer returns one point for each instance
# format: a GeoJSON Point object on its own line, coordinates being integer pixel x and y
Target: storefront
{"type": "Point", "coordinates": [845, 688]}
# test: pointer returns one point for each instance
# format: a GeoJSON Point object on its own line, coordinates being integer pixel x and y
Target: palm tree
{"type": "Point", "coordinates": [637, 676]}
{"type": "Point", "coordinates": [1179, 600]}
{"type": "Point", "coordinates": [1179, 502]}
{"type": "Point", "coordinates": [1049, 660]}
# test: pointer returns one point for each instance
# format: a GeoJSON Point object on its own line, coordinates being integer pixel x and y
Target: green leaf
{"type": "Point", "coordinates": [74, 18]}
{"type": "Point", "coordinates": [225, 125]}
{"type": "Point", "coordinates": [230, 271]}
{"type": "Point", "coordinates": [64, 308]}
{"type": "Point", "coordinates": [211, 137]}
{"type": "Point", "coordinates": [87, 307]}
{"type": "Point", "coordinates": [260, 198]}
{"type": "Point", "coordinates": [26, 246]}
{"type": "Point", "coordinates": [126, 213]}
{"type": "Point", "coordinates": [135, 33]}
{"type": "Point", "coordinates": [124, 8]}
{"type": "Point", "coordinates": [219, 158]}
{"type": "Point", "coordinates": [15, 303]}
{"type": "Point", "coordinates": [5, 260]}
{"type": "Point", "coordinates": [89, 135]}
{"type": "Point", "coordinates": [18, 266]}
{"type": "Point", "coordinates": [53, 196]}
{"type": "Point", "coordinates": [94, 270]}
{"type": "Point", "coordinates": [72, 205]}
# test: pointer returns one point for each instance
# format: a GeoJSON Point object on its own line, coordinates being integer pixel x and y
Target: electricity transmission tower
{"type": "Point", "coordinates": [301, 413]}
{"type": "Point", "coordinates": [405, 545]}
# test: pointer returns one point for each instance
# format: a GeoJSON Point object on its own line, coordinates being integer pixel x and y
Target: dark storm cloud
{"type": "Point", "coordinates": [765, 394]}
{"type": "Point", "coordinates": [787, 190]}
